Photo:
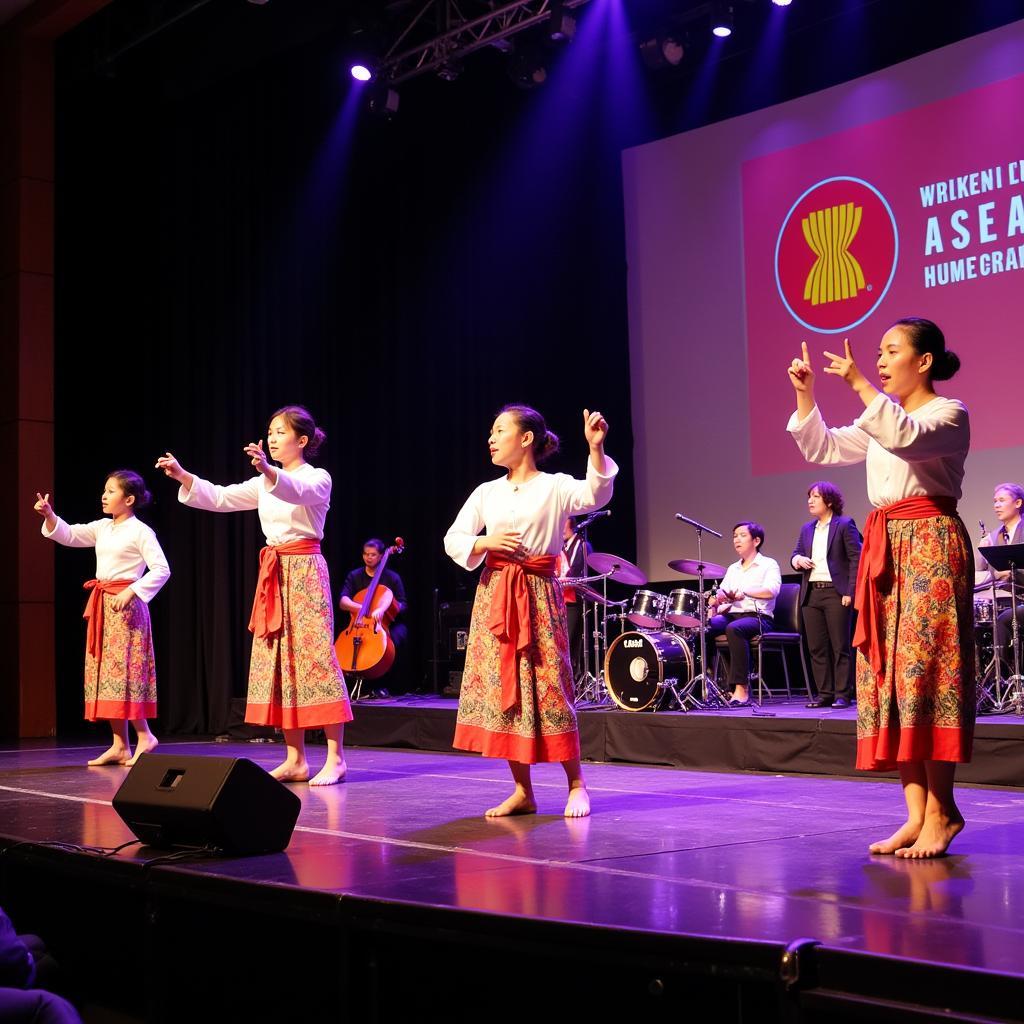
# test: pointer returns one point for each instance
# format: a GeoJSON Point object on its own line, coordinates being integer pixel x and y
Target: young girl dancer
{"type": "Point", "coordinates": [517, 694]}
{"type": "Point", "coordinates": [120, 676]}
{"type": "Point", "coordinates": [915, 631]}
{"type": "Point", "coordinates": [295, 682]}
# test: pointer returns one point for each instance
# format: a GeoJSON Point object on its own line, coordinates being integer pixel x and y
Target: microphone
{"type": "Point", "coordinates": [984, 532]}
{"type": "Point", "coordinates": [587, 520]}
{"type": "Point", "coordinates": [696, 525]}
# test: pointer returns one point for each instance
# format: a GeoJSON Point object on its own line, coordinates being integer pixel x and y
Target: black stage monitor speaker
{"type": "Point", "coordinates": [225, 802]}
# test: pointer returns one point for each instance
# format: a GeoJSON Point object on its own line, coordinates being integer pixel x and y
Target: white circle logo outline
{"type": "Point", "coordinates": [895, 255]}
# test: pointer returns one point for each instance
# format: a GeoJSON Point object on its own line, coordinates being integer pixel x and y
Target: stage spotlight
{"type": "Point", "coordinates": [361, 72]}
{"type": "Point", "coordinates": [527, 70]}
{"type": "Point", "coordinates": [721, 20]}
{"type": "Point", "coordinates": [662, 51]}
{"type": "Point", "coordinates": [782, 3]}
{"type": "Point", "coordinates": [383, 100]}
{"type": "Point", "coordinates": [561, 25]}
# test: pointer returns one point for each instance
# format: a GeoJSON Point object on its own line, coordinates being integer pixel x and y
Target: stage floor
{"type": "Point", "coordinates": [740, 856]}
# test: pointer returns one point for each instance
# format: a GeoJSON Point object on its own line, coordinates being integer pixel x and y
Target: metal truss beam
{"type": "Point", "coordinates": [443, 31]}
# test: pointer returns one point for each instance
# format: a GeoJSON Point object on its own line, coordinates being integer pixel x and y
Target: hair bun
{"type": "Point", "coordinates": [315, 443]}
{"type": "Point", "coordinates": [547, 446]}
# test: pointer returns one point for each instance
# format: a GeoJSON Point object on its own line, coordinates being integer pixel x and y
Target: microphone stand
{"type": "Point", "coordinates": [711, 696]}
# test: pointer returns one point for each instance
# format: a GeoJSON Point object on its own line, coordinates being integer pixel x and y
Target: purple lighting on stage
{"type": "Point", "coordinates": [361, 73]}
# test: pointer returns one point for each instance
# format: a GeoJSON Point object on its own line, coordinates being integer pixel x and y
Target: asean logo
{"type": "Point", "coordinates": [836, 254]}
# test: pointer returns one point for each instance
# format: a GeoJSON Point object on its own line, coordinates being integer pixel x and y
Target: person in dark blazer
{"type": "Point", "coordinates": [827, 555]}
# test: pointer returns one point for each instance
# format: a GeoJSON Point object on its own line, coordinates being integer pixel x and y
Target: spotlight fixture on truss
{"type": "Point", "coordinates": [443, 31]}
{"type": "Point", "coordinates": [662, 52]}
{"type": "Point", "coordinates": [721, 20]}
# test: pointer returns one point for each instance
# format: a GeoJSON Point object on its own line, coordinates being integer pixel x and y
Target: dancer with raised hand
{"type": "Point", "coordinates": [915, 633]}
{"type": "Point", "coordinates": [120, 671]}
{"type": "Point", "coordinates": [295, 682]}
{"type": "Point", "coordinates": [516, 700]}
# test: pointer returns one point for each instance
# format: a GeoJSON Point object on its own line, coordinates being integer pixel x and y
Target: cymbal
{"type": "Point", "coordinates": [617, 568]}
{"type": "Point", "coordinates": [691, 567]}
{"type": "Point", "coordinates": [589, 594]}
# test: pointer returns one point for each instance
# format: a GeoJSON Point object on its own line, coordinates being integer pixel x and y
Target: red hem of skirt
{"type": "Point", "coordinates": [892, 747]}
{"type": "Point", "coordinates": [315, 717]}
{"type": "Point", "coordinates": [107, 710]}
{"type": "Point", "coordinates": [524, 749]}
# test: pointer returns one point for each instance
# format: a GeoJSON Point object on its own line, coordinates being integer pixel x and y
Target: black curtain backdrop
{"type": "Point", "coordinates": [234, 239]}
{"type": "Point", "coordinates": [233, 235]}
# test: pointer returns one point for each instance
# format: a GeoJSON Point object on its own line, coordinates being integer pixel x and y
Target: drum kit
{"type": "Point", "coordinates": [659, 643]}
{"type": "Point", "coordinates": [1000, 682]}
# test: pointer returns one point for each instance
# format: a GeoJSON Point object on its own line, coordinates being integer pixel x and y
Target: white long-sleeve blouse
{"type": "Point", "coordinates": [537, 509]}
{"type": "Point", "coordinates": [294, 508]}
{"type": "Point", "coordinates": [127, 550]}
{"type": "Point", "coordinates": [907, 454]}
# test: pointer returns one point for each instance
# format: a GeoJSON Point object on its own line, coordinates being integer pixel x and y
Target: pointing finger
{"type": "Point", "coordinates": [803, 348]}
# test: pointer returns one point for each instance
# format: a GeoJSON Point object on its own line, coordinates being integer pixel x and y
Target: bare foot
{"type": "Point", "coordinates": [143, 745]}
{"type": "Point", "coordinates": [936, 835]}
{"type": "Point", "coordinates": [291, 771]}
{"type": "Point", "coordinates": [333, 772]}
{"type": "Point", "coordinates": [520, 802]}
{"type": "Point", "coordinates": [115, 754]}
{"type": "Point", "coordinates": [904, 836]}
{"type": "Point", "coordinates": [578, 804]}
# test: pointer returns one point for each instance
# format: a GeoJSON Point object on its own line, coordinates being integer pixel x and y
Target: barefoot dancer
{"type": "Point", "coordinates": [516, 699]}
{"type": "Point", "coordinates": [120, 677]}
{"type": "Point", "coordinates": [295, 682]}
{"type": "Point", "coordinates": [915, 634]}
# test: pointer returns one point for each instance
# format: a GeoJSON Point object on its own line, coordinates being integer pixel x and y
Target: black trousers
{"type": "Point", "coordinates": [1004, 629]}
{"type": "Point", "coordinates": [738, 628]}
{"type": "Point", "coordinates": [827, 629]}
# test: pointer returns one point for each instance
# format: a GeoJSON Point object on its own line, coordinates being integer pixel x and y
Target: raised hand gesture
{"type": "Point", "coordinates": [171, 466]}
{"type": "Point", "coordinates": [595, 428]}
{"type": "Point", "coordinates": [43, 506]}
{"type": "Point", "coordinates": [801, 376]}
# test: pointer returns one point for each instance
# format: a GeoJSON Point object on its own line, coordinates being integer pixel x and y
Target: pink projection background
{"type": "Point", "coordinates": [921, 213]}
{"type": "Point", "coordinates": [825, 217]}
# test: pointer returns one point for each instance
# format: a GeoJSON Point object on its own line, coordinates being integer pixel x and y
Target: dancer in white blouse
{"type": "Point", "coordinates": [295, 682]}
{"type": "Point", "coordinates": [516, 700]}
{"type": "Point", "coordinates": [120, 674]}
{"type": "Point", "coordinates": [915, 632]}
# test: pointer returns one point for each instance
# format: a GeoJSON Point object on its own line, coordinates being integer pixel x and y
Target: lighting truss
{"type": "Point", "coordinates": [441, 32]}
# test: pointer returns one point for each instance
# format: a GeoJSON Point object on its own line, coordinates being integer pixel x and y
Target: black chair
{"type": "Point", "coordinates": [785, 633]}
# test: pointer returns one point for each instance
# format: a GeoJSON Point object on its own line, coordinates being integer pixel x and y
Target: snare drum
{"type": "Point", "coordinates": [683, 608]}
{"type": "Point", "coordinates": [647, 609]}
{"type": "Point", "coordinates": [637, 665]}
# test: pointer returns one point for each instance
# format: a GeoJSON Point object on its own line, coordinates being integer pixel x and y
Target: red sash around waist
{"type": "Point", "coordinates": [266, 615]}
{"type": "Point", "coordinates": [510, 615]}
{"type": "Point", "coordinates": [93, 613]}
{"type": "Point", "coordinates": [876, 564]}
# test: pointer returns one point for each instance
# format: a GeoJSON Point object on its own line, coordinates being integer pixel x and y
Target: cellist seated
{"type": "Point", "coordinates": [388, 608]}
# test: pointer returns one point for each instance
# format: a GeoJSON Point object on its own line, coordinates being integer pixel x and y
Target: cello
{"type": "Point", "coordinates": [364, 647]}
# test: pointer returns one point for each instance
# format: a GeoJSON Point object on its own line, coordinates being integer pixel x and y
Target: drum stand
{"type": "Point", "coordinates": [711, 696]}
{"type": "Point", "coordinates": [1003, 558]}
{"type": "Point", "coordinates": [991, 692]}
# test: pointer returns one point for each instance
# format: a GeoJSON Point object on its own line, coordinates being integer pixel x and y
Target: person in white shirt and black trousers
{"type": "Point", "coordinates": [744, 604]}
{"type": "Point", "coordinates": [827, 555]}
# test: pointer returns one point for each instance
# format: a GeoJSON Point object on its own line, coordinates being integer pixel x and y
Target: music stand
{"type": "Point", "coordinates": [1008, 558]}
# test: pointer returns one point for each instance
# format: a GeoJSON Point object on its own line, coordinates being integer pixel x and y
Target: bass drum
{"type": "Point", "coordinates": [637, 664]}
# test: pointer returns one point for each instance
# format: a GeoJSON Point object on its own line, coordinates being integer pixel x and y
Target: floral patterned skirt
{"type": "Point", "coordinates": [295, 681]}
{"type": "Point", "coordinates": [542, 725]}
{"type": "Point", "coordinates": [121, 682]}
{"type": "Point", "coordinates": [924, 708]}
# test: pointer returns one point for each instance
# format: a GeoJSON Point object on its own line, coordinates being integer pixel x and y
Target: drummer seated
{"type": "Point", "coordinates": [1007, 503]}
{"type": "Point", "coordinates": [744, 605]}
